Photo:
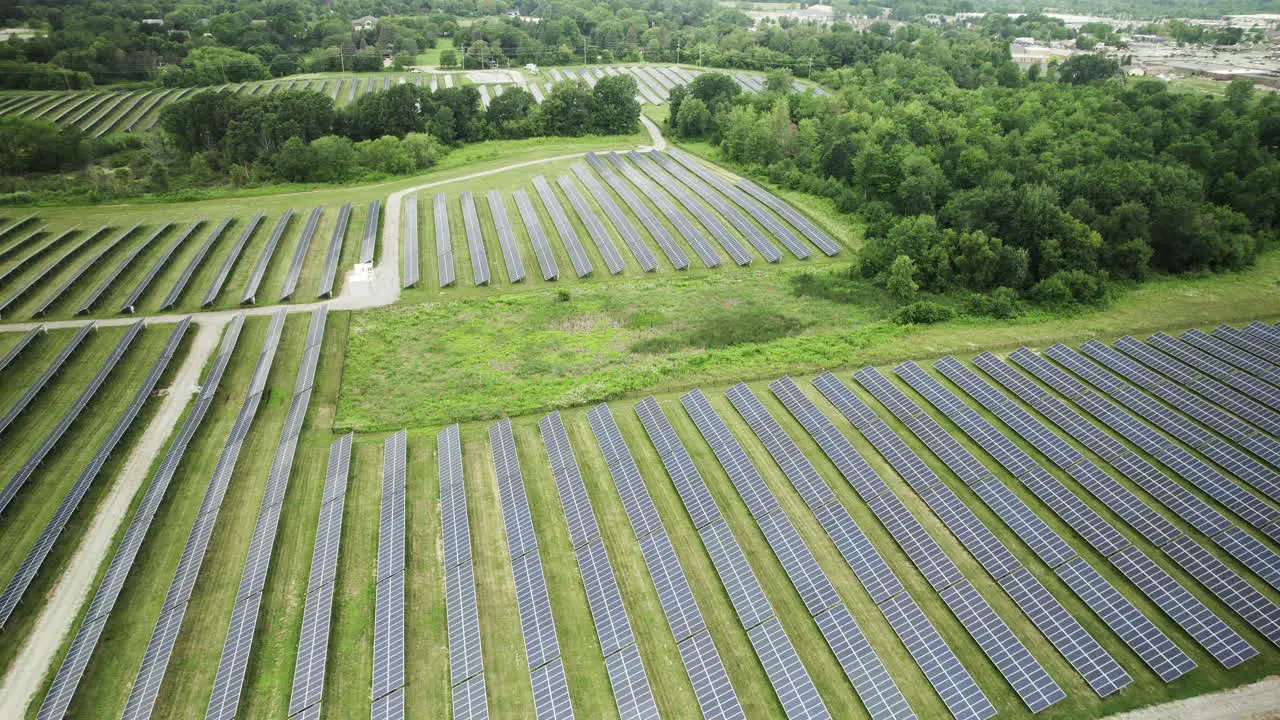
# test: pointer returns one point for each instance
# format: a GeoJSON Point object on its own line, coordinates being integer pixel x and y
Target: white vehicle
{"type": "Point", "coordinates": [533, 69]}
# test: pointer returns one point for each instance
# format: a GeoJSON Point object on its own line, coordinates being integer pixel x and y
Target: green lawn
{"type": "Point", "coordinates": [432, 56]}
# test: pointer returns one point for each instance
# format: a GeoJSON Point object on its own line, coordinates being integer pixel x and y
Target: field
{"type": "Point", "coordinates": [432, 56]}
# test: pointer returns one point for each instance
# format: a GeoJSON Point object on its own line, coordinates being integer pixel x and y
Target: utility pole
{"type": "Point", "coordinates": [810, 75]}
{"type": "Point", "coordinates": [677, 51]}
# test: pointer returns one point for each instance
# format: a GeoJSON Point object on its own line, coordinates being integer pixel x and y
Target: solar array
{"type": "Point", "coordinates": [600, 236]}
{"type": "Point", "coordinates": [22, 262]}
{"type": "Point", "coordinates": [21, 345]}
{"type": "Point", "coordinates": [45, 376]}
{"type": "Point", "coordinates": [300, 254]}
{"type": "Point", "coordinates": [1234, 460]}
{"type": "Point", "coordinates": [144, 282]}
{"type": "Point", "coordinates": [877, 689]}
{"type": "Point", "coordinates": [87, 304]}
{"type": "Point", "coordinates": [466, 665]}
{"type": "Point", "coordinates": [39, 551]}
{"type": "Point", "coordinates": [788, 213]}
{"type": "Point", "coordinates": [1133, 627]}
{"type": "Point", "coordinates": [551, 692]}
{"type": "Point", "coordinates": [71, 670]}
{"type": "Point", "coordinates": [329, 274]}
{"type": "Point", "coordinates": [941, 667]}
{"type": "Point", "coordinates": [1263, 392]}
{"type": "Point", "coordinates": [224, 272]}
{"type": "Point", "coordinates": [790, 679]}
{"type": "Point", "coordinates": [444, 242]}
{"type": "Point", "coordinates": [250, 294]}
{"type": "Point", "coordinates": [507, 237]}
{"type": "Point", "coordinates": [675, 254]}
{"type": "Point", "coordinates": [80, 271]}
{"type": "Point", "coordinates": [577, 255]}
{"type": "Point", "coordinates": [1081, 650]}
{"type": "Point", "coordinates": [639, 250]}
{"type": "Point", "coordinates": [38, 277]}
{"type": "Point", "coordinates": [369, 239]}
{"type": "Point", "coordinates": [475, 241]}
{"type": "Point", "coordinates": [69, 417]}
{"type": "Point", "coordinates": [194, 264]}
{"type": "Point", "coordinates": [1174, 457]}
{"type": "Point", "coordinates": [146, 684]}
{"type": "Point", "coordinates": [678, 220]}
{"type": "Point", "coordinates": [1024, 673]}
{"type": "Point", "coordinates": [228, 682]}
{"type": "Point", "coordinates": [744, 226]}
{"type": "Point", "coordinates": [730, 244]}
{"type": "Point", "coordinates": [716, 697]}
{"type": "Point", "coordinates": [1188, 612]}
{"type": "Point", "coordinates": [409, 272]}
{"type": "Point", "coordinates": [388, 613]}
{"type": "Point", "coordinates": [313, 643]}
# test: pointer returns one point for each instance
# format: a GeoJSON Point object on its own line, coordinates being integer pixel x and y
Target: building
{"type": "Point", "coordinates": [368, 22]}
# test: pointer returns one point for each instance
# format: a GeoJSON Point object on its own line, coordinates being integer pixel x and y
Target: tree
{"type": "Point", "coordinates": [1239, 94]}
{"type": "Point", "coordinates": [616, 109]}
{"type": "Point", "coordinates": [694, 120]}
{"type": "Point", "coordinates": [294, 160]}
{"type": "Point", "coordinates": [509, 112]}
{"type": "Point", "coordinates": [32, 145]}
{"type": "Point", "coordinates": [900, 281]}
{"type": "Point", "coordinates": [714, 88]}
{"type": "Point", "coordinates": [448, 59]}
{"type": "Point", "coordinates": [778, 80]}
{"type": "Point", "coordinates": [568, 110]}
{"type": "Point", "coordinates": [1082, 69]}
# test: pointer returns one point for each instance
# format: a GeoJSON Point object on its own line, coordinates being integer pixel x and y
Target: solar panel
{"type": "Point", "coordinates": [1098, 668]}
{"type": "Point", "coordinates": [1047, 544]}
{"type": "Point", "coordinates": [469, 701]}
{"type": "Point", "coordinates": [679, 260]}
{"type": "Point", "coordinates": [536, 620]}
{"type": "Point", "coordinates": [810, 581]}
{"type": "Point", "coordinates": [990, 552]}
{"type": "Point", "coordinates": [876, 688]}
{"type": "Point", "coordinates": [391, 524]}
{"type": "Point", "coordinates": [713, 225]}
{"type": "Point", "coordinates": [1250, 551]}
{"type": "Point", "coordinates": [160, 262]}
{"type": "Point", "coordinates": [1253, 387]}
{"type": "Point", "coordinates": [923, 551]}
{"type": "Point", "coordinates": [798, 221]}
{"type": "Point", "coordinates": [1238, 348]}
{"type": "Point", "coordinates": [462, 620]}
{"type": "Point", "coordinates": [409, 255]}
{"type": "Point", "coordinates": [45, 376]}
{"type": "Point", "coordinates": [21, 345]}
{"type": "Point", "coordinates": [228, 263]}
{"type": "Point", "coordinates": [1155, 648]}
{"type": "Point", "coordinates": [250, 293]}
{"type": "Point", "coordinates": [790, 679]}
{"type": "Point", "coordinates": [577, 255]}
{"type": "Point", "coordinates": [369, 239]}
{"type": "Point", "coordinates": [1081, 518]}
{"type": "Point", "coordinates": [388, 636]}
{"type": "Point", "coordinates": [941, 667]}
{"type": "Point", "coordinates": [630, 684]}
{"type": "Point", "coordinates": [507, 240]}
{"type": "Point", "coordinates": [746, 479]}
{"type": "Point", "coordinates": [1263, 332]}
{"type": "Point", "coordinates": [551, 692]}
{"type": "Point", "coordinates": [1027, 676]}
{"type": "Point", "coordinates": [678, 220]}
{"type": "Point", "coordinates": [672, 586]}
{"type": "Point", "coordinates": [622, 469]}
{"type": "Point", "coordinates": [39, 551]}
{"type": "Point", "coordinates": [799, 471]}
{"type": "Point", "coordinates": [693, 491]}
{"type": "Point", "coordinates": [475, 241]}
{"type": "Point", "coordinates": [329, 273]}
{"type": "Point", "coordinates": [600, 236]}
{"type": "Point", "coordinates": [515, 503]}
{"type": "Point", "coordinates": [607, 611]}
{"type": "Point", "coordinates": [867, 564]}
{"type": "Point", "coordinates": [444, 241]}
{"type": "Point", "coordinates": [716, 697]}
{"type": "Point", "coordinates": [75, 275]}
{"type": "Point", "coordinates": [228, 683]}
{"type": "Point", "coordinates": [387, 707]}
{"type": "Point", "coordinates": [1247, 602]}
{"type": "Point", "coordinates": [573, 493]}
{"type": "Point", "coordinates": [735, 573]}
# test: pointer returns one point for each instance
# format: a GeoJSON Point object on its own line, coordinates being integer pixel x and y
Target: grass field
{"type": "Point", "coordinates": [432, 56]}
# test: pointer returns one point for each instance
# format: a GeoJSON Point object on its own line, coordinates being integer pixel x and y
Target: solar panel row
{"type": "Point", "coordinates": [577, 255]}
{"type": "Point", "coordinates": [39, 551]}
{"type": "Point", "coordinates": [678, 220]}
{"type": "Point", "coordinates": [17, 265]}
{"type": "Point", "coordinates": [313, 642]}
{"type": "Point", "coordinates": [1259, 390]}
{"type": "Point", "coordinates": [145, 281]}
{"type": "Point", "coordinates": [639, 250]}
{"type": "Point", "coordinates": [709, 221]}
{"type": "Point", "coordinates": [537, 237]}
{"type": "Point", "coordinates": [250, 294]}
{"type": "Point", "coordinates": [409, 272]}
{"type": "Point", "coordinates": [444, 241]}
{"type": "Point", "coordinates": [475, 241]}
{"type": "Point", "coordinates": [300, 254]}
{"type": "Point", "coordinates": [329, 274]}
{"type": "Point", "coordinates": [69, 673]}
{"type": "Point", "coordinates": [234, 661]}
{"type": "Point", "coordinates": [21, 345]}
{"type": "Point", "coordinates": [600, 236]}
{"type": "Point", "coordinates": [675, 254]}
{"type": "Point", "coordinates": [369, 239]}
{"type": "Point", "coordinates": [180, 285]}
{"type": "Point", "coordinates": [224, 272]}
{"type": "Point", "coordinates": [388, 614]}
{"type": "Point", "coordinates": [867, 674]}
{"type": "Point", "coordinates": [146, 684]}
{"type": "Point", "coordinates": [45, 376]}
{"type": "Point", "coordinates": [84, 267]}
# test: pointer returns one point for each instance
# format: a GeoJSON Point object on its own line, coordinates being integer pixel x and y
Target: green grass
{"type": "Point", "coordinates": [432, 56]}
{"type": "Point", "coordinates": [31, 510]}
{"type": "Point", "coordinates": [534, 351]}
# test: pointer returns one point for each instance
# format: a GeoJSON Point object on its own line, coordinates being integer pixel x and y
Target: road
{"type": "Point", "coordinates": [26, 674]}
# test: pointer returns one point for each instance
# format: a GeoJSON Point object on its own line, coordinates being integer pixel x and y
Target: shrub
{"type": "Point", "coordinates": [1000, 303]}
{"type": "Point", "coordinates": [1071, 287]}
{"type": "Point", "coordinates": [923, 312]}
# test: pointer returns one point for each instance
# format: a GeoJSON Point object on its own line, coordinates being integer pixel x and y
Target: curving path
{"type": "Point", "coordinates": [40, 648]}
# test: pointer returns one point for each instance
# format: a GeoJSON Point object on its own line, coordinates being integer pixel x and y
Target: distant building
{"type": "Point", "coordinates": [158, 22]}
{"type": "Point", "coordinates": [368, 22]}
{"type": "Point", "coordinates": [258, 22]}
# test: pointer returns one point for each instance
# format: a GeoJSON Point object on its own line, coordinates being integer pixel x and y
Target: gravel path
{"type": "Point", "coordinates": [1258, 701]}
{"type": "Point", "coordinates": [64, 602]}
